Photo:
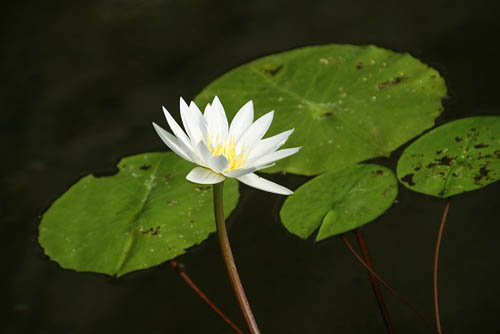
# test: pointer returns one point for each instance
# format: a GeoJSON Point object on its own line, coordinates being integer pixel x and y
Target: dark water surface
{"type": "Point", "coordinates": [83, 80]}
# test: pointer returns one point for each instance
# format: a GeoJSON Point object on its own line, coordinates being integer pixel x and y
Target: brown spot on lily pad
{"type": "Point", "coordinates": [201, 188]}
{"type": "Point", "coordinates": [391, 82]}
{"type": "Point", "coordinates": [447, 160]}
{"type": "Point", "coordinates": [378, 172]}
{"type": "Point", "coordinates": [408, 178]}
{"type": "Point", "coordinates": [274, 71]}
{"type": "Point", "coordinates": [483, 174]}
{"type": "Point", "coordinates": [486, 156]}
{"type": "Point", "coordinates": [150, 231]}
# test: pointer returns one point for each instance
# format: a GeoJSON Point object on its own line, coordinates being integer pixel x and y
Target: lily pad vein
{"type": "Point", "coordinates": [131, 234]}
{"type": "Point", "coordinates": [317, 106]}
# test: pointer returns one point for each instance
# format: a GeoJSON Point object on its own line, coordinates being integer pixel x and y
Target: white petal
{"type": "Point", "coordinates": [269, 145]}
{"type": "Point", "coordinates": [176, 129]}
{"type": "Point", "coordinates": [220, 118]}
{"type": "Point", "coordinates": [256, 131]}
{"type": "Point", "coordinates": [208, 108]}
{"type": "Point", "coordinates": [194, 108]}
{"type": "Point", "coordinates": [203, 124]}
{"type": "Point", "coordinates": [239, 172]}
{"type": "Point", "coordinates": [192, 121]}
{"type": "Point", "coordinates": [278, 155]}
{"type": "Point", "coordinates": [211, 123]}
{"type": "Point", "coordinates": [218, 163]}
{"type": "Point", "coordinates": [256, 181]}
{"type": "Point", "coordinates": [204, 153]}
{"type": "Point", "coordinates": [241, 121]}
{"type": "Point", "coordinates": [173, 143]}
{"type": "Point", "coordinates": [264, 166]}
{"type": "Point", "coordinates": [204, 176]}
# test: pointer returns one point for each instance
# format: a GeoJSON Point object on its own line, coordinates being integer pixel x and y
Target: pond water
{"type": "Point", "coordinates": [84, 81]}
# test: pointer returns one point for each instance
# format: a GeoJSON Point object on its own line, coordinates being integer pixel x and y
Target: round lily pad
{"type": "Point", "coordinates": [459, 156]}
{"type": "Point", "coordinates": [347, 103]}
{"type": "Point", "coordinates": [145, 214]}
{"type": "Point", "coordinates": [339, 201]}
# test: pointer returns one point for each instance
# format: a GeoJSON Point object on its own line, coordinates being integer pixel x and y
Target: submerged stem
{"type": "Point", "coordinates": [373, 280]}
{"type": "Point", "coordinates": [386, 285]}
{"type": "Point", "coordinates": [227, 255]}
{"type": "Point", "coordinates": [180, 270]}
{"type": "Point", "coordinates": [436, 264]}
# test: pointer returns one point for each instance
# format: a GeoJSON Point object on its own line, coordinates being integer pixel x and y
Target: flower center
{"type": "Point", "coordinates": [228, 149]}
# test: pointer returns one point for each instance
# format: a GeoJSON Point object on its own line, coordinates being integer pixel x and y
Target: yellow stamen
{"type": "Point", "coordinates": [228, 149]}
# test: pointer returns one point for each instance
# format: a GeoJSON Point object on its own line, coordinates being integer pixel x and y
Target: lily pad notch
{"type": "Point", "coordinates": [339, 201]}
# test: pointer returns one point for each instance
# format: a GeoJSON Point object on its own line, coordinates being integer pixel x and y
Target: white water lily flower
{"type": "Point", "coordinates": [221, 150]}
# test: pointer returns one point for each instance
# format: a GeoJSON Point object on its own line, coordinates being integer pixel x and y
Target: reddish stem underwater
{"type": "Point", "coordinates": [373, 280]}
{"type": "Point", "coordinates": [180, 270]}
{"type": "Point", "coordinates": [436, 264]}
{"type": "Point", "coordinates": [386, 285]}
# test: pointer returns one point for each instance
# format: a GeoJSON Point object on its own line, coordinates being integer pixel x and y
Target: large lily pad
{"type": "Point", "coordinates": [454, 158]}
{"type": "Point", "coordinates": [347, 103]}
{"type": "Point", "coordinates": [339, 201]}
{"type": "Point", "coordinates": [145, 214]}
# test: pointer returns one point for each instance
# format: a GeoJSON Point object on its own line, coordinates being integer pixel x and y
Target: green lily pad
{"type": "Point", "coordinates": [145, 214]}
{"type": "Point", "coordinates": [459, 156]}
{"type": "Point", "coordinates": [339, 201]}
{"type": "Point", "coordinates": [347, 103]}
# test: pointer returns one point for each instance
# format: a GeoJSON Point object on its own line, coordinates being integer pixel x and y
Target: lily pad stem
{"type": "Point", "coordinates": [376, 288]}
{"type": "Point", "coordinates": [436, 264]}
{"type": "Point", "coordinates": [386, 285]}
{"type": "Point", "coordinates": [227, 255]}
{"type": "Point", "coordinates": [179, 268]}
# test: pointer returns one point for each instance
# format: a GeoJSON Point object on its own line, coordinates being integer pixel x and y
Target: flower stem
{"type": "Point", "coordinates": [227, 255]}
{"type": "Point", "coordinates": [180, 270]}
{"type": "Point", "coordinates": [376, 288]}
{"type": "Point", "coordinates": [436, 264]}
